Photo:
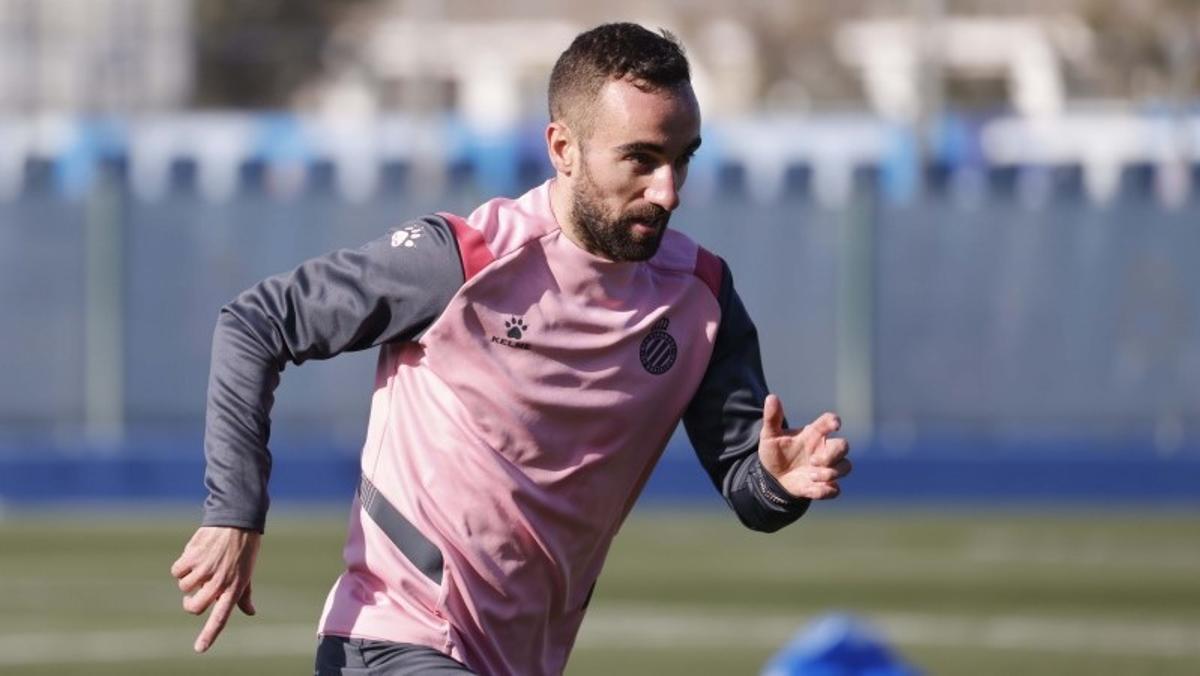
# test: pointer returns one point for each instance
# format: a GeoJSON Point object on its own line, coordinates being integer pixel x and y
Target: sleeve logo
{"type": "Point", "coordinates": [407, 236]}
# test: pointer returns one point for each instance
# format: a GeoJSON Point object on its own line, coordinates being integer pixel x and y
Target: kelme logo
{"type": "Point", "coordinates": [514, 330]}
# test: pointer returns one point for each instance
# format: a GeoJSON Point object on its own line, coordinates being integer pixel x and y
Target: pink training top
{"type": "Point", "coordinates": [516, 434]}
{"type": "Point", "coordinates": [525, 390]}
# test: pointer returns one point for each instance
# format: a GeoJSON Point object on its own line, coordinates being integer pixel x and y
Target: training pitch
{"type": "Point", "coordinates": [955, 592]}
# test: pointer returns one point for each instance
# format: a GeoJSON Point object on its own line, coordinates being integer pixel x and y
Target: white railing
{"type": "Point", "coordinates": [828, 147]}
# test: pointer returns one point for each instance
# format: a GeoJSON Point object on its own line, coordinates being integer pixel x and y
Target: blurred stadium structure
{"type": "Point", "coordinates": [971, 228]}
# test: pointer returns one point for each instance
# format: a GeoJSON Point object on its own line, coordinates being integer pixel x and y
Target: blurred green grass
{"type": "Point", "coordinates": [956, 592]}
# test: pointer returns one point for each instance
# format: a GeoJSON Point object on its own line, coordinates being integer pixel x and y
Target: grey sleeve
{"type": "Point", "coordinates": [347, 300]}
{"type": "Point", "coordinates": [724, 418]}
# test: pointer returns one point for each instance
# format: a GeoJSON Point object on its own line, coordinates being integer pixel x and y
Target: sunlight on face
{"type": "Point", "coordinates": [634, 162]}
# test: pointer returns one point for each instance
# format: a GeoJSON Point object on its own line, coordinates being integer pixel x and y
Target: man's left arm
{"type": "Point", "coordinates": [767, 472]}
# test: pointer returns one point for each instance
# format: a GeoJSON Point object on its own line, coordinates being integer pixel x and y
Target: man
{"type": "Point", "coordinates": [535, 358]}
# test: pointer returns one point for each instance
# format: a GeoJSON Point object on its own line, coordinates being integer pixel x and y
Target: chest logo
{"type": "Point", "coordinates": [658, 349]}
{"type": "Point", "coordinates": [516, 327]}
{"type": "Point", "coordinates": [515, 330]}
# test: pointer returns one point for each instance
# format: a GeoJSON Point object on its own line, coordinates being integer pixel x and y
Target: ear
{"type": "Point", "coordinates": [562, 147]}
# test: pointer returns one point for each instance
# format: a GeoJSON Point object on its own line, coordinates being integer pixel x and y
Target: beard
{"type": "Point", "coordinates": [612, 236]}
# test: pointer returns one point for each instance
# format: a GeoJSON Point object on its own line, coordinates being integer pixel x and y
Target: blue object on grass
{"type": "Point", "coordinates": [837, 645]}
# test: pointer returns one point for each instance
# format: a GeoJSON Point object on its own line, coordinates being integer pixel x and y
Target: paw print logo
{"type": "Point", "coordinates": [407, 236]}
{"type": "Point", "coordinates": [516, 327]}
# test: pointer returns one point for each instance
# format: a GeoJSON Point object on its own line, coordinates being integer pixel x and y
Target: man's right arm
{"type": "Point", "coordinates": [390, 290]}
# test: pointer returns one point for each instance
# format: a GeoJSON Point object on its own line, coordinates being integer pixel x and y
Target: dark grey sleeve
{"type": "Point", "coordinates": [724, 419]}
{"type": "Point", "coordinates": [389, 290]}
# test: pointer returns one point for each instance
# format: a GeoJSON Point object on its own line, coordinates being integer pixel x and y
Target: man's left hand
{"type": "Point", "coordinates": [808, 462]}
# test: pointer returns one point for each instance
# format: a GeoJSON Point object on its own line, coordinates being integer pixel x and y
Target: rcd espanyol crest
{"type": "Point", "coordinates": [658, 349]}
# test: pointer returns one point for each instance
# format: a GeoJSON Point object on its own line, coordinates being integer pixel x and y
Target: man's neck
{"type": "Point", "coordinates": [560, 204]}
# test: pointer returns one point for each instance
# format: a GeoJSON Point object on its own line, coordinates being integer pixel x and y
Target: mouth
{"type": "Point", "coordinates": [643, 229]}
{"type": "Point", "coordinates": [648, 225]}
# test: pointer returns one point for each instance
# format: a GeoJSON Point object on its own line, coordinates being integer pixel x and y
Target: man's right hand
{"type": "Point", "coordinates": [214, 571]}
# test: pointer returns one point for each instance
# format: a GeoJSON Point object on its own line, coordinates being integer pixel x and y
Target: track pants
{"type": "Point", "coordinates": [340, 656]}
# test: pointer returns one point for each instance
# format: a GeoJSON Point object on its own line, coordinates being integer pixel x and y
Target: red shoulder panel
{"type": "Point", "coordinates": [472, 248]}
{"type": "Point", "coordinates": [708, 269]}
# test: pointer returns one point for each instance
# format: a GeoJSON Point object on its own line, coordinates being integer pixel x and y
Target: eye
{"type": "Point", "coordinates": [641, 161]}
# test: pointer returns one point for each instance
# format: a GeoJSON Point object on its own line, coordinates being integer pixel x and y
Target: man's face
{"type": "Point", "coordinates": [634, 160]}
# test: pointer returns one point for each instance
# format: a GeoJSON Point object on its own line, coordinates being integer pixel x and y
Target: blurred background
{"type": "Point", "coordinates": [970, 227]}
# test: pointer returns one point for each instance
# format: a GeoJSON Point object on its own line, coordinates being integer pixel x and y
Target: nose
{"type": "Point", "coordinates": [664, 188]}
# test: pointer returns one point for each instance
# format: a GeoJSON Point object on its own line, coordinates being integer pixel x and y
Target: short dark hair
{"type": "Point", "coordinates": [614, 51]}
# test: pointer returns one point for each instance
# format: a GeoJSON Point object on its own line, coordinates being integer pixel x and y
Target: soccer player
{"type": "Point", "coordinates": [534, 359]}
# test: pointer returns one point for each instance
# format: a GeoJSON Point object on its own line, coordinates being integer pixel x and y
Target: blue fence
{"type": "Point", "coordinates": [1012, 348]}
{"type": "Point", "coordinates": [958, 471]}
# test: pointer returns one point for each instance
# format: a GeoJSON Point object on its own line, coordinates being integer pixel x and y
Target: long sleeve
{"type": "Point", "coordinates": [389, 290]}
{"type": "Point", "coordinates": [724, 419]}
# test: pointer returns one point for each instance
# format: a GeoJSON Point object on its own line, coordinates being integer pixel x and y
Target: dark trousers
{"type": "Point", "coordinates": [340, 656]}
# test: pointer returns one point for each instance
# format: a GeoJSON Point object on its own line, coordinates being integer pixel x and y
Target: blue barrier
{"type": "Point", "coordinates": [958, 472]}
{"type": "Point", "coordinates": [988, 321]}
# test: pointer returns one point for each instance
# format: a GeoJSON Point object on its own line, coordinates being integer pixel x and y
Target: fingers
{"type": "Point", "coordinates": [181, 566]}
{"type": "Point", "coordinates": [214, 572]}
{"type": "Point", "coordinates": [245, 603]}
{"type": "Point", "coordinates": [189, 583]}
{"type": "Point", "coordinates": [187, 560]}
{"type": "Point", "coordinates": [831, 452]}
{"type": "Point", "coordinates": [826, 491]}
{"type": "Point", "coordinates": [829, 474]}
{"type": "Point", "coordinates": [190, 573]}
{"type": "Point", "coordinates": [828, 468]}
{"type": "Point", "coordinates": [825, 425]}
{"type": "Point", "coordinates": [772, 418]}
{"type": "Point", "coordinates": [216, 621]}
{"type": "Point", "coordinates": [825, 484]}
{"type": "Point", "coordinates": [808, 463]}
{"type": "Point", "coordinates": [200, 601]}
